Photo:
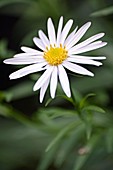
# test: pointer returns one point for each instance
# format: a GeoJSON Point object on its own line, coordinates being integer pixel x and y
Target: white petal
{"type": "Point", "coordinates": [51, 32]}
{"type": "Point", "coordinates": [23, 60]}
{"type": "Point", "coordinates": [79, 34]}
{"type": "Point", "coordinates": [70, 37]}
{"type": "Point", "coordinates": [38, 53]}
{"type": "Point", "coordinates": [66, 30]}
{"type": "Point", "coordinates": [59, 30]}
{"type": "Point", "coordinates": [53, 83]}
{"type": "Point", "coordinates": [89, 40]}
{"type": "Point", "coordinates": [29, 50]}
{"type": "Point", "coordinates": [84, 61]}
{"type": "Point", "coordinates": [43, 78]}
{"type": "Point", "coordinates": [43, 89]}
{"type": "Point", "coordinates": [39, 43]}
{"type": "Point", "coordinates": [44, 38]}
{"type": "Point", "coordinates": [76, 68]}
{"type": "Point", "coordinates": [88, 57]}
{"type": "Point", "coordinates": [27, 70]}
{"type": "Point", "coordinates": [90, 47]}
{"type": "Point", "coordinates": [64, 80]}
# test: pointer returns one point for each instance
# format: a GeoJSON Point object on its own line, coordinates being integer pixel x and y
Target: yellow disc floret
{"type": "Point", "coordinates": [55, 55]}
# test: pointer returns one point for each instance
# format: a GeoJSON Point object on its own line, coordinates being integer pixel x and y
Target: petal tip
{"type": "Point", "coordinates": [5, 62]}
{"type": "Point", "coordinates": [69, 95]}
{"type": "Point", "coordinates": [34, 88]}
{"type": "Point", "coordinates": [11, 77]}
{"type": "Point", "coordinates": [22, 48]}
{"type": "Point", "coordinates": [34, 38]}
{"type": "Point", "coordinates": [91, 74]}
{"type": "Point", "coordinates": [105, 43]}
{"type": "Point", "coordinates": [103, 33]}
{"type": "Point", "coordinates": [41, 100]}
{"type": "Point", "coordinates": [49, 20]}
{"type": "Point", "coordinates": [88, 23]}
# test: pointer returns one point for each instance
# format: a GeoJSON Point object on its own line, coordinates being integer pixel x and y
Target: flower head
{"type": "Point", "coordinates": [57, 51]}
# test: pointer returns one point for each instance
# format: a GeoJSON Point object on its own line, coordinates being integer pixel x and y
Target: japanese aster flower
{"type": "Point", "coordinates": [59, 51]}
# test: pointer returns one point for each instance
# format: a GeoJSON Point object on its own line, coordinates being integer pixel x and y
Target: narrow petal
{"type": "Point", "coordinates": [66, 30]}
{"type": "Point", "coordinates": [84, 61]}
{"type": "Point", "coordinates": [89, 40]}
{"type": "Point", "coordinates": [29, 50]}
{"type": "Point", "coordinates": [87, 48]}
{"type": "Point", "coordinates": [51, 32]}
{"type": "Point", "coordinates": [59, 30]}
{"type": "Point", "coordinates": [79, 34]}
{"type": "Point", "coordinates": [76, 68]}
{"type": "Point", "coordinates": [39, 43]}
{"type": "Point", "coordinates": [70, 37]}
{"type": "Point", "coordinates": [24, 60]}
{"type": "Point", "coordinates": [43, 78]}
{"type": "Point", "coordinates": [53, 83]}
{"type": "Point", "coordinates": [44, 38]}
{"type": "Point", "coordinates": [27, 70]}
{"type": "Point", "coordinates": [64, 80]}
{"type": "Point", "coordinates": [88, 57]}
{"type": "Point", "coordinates": [43, 89]}
{"type": "Point", "coordinates": [38, 53]}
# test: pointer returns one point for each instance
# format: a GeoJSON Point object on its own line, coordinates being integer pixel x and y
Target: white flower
{"type": "Point", "coordinates": [57, 51]}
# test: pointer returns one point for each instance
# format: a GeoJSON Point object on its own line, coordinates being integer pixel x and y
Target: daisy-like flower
{"type": "Point", "coordinates": [59, 51]}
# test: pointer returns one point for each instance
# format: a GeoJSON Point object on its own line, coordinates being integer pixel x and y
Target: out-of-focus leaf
{"type": "Point", "coordinates": [19, 91]}
{"type": "Point", "coordinates": [20, 146]}
{"type": "Point", "coordinates": [14, 8]}
{"type": "Point", "coordinates": [93, 108]}
{"type": "Point", "coordinates": [109, 140]}
{"type": "Point", "coordinates": [55, 112]}
{"type": "Point", "coordinates": [61, 134]}
{"type": "Point", "coordinates": [4, 51]}
{"type": "Point", "coordinates": [76, 96]}
{"type": "Point", "coordinates": [47, 158]}
{"type": "Point", "coordinates": [103, 119]}
{"type": "Point", "coordinates": [103, 12]}
{"type": "Point", "coordinates": [8, 2]}
{"type": "Point", "coordinates": [48, 101]}
{"type": "Point", "coordinates": [4, 111]}
{"type": "Point", "coordinates": [84, 100]}
{"type": "Point", "coordinates": [103, 79]}
{"type": "Point", "coordinates": [82, 158]}
{"type": "Point", "coordinates": [68, 145]}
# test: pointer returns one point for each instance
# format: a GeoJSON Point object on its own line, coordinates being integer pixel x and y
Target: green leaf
{"type": "Point", "coordinates": [22, 142]}
{"type": "Point", "coordinates": [109, 140]}
{"type": "Point", "coordinates": [48, 102]}
{"type": "Point", "coordinates": [84, 153]}
{"type": "Point", "coordinates": [69, 144]}
{"type": "Point", "coordinates": [93, 108]}
{"type": "Point", "coordinates": [4, 51]}
{"type": "Point", "coordinates": [103, 12]}
{"type": "Point", "coordinates": [4, 111]}
{"type": "Point", "coordinates": [48, 158]}
{"type": "Point", "coordinates": [103, 119]}
{"type": "Point", "coordinates": [88, 130]}
{"type": "Point", "coordinates": [61, 134]}
{"type": "Point", "coordinates": [19, 91]}
{"type": "Point", "coordinates": [8, 2]}
{"type": "Point", "coordinates": [83, 101]}
{"type": "Point", "coordinates": [55, 112]}
{"type": "Point", "coordinates": [87, 84]}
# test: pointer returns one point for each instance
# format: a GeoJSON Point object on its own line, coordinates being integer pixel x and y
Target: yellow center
{"type": "Point", "coordinates": [55, 55]}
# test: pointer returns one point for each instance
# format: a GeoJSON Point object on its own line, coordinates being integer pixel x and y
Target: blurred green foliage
{"type": "Point", "coordinates": [63, 133]}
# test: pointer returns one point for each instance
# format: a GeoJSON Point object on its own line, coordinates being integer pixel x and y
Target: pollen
{"type": "Point", "coordinates": [55, 55]}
